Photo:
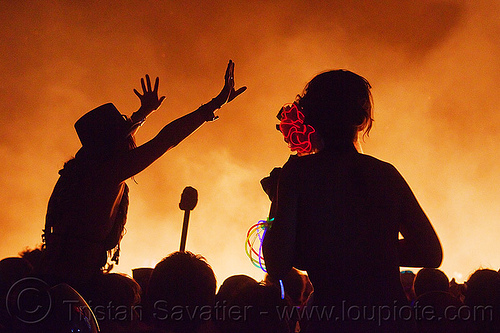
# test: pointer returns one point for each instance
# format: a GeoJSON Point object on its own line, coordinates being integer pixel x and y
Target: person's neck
{"type": "Point", "coordinates": [342, 147]}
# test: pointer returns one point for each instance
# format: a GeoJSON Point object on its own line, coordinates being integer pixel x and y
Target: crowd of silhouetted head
{"type": "Point", "coordinates": [339, 216]}
{"type": "Point", "coordinates": [180, 295]}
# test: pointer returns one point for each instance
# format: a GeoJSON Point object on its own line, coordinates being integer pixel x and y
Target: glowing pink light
{"type": "Point", "coordinates": [298, 135]}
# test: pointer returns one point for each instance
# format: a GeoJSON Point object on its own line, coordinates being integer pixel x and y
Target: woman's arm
{"type": "Point", "coordinates": [420, 246]}
{"type": "Point", "coordinates": [279, 241]}
{"type": "Point", "coordinates": [172, 134]}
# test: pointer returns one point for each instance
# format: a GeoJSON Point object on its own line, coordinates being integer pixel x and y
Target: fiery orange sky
{"type": "Point", "coordinates": [434, 67]}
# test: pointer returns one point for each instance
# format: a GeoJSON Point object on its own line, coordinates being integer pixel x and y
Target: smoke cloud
{"type": "Point", "coordinates": [433, 66]}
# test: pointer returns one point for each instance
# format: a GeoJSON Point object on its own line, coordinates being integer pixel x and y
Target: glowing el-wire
{"type": "Point", "coordinates": [253, 243]}
{"type": "Point", "coordinates": [298, 135]}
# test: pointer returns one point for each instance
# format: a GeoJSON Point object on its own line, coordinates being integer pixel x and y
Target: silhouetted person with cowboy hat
{"type": "Point", "coordinates": [88, 207]}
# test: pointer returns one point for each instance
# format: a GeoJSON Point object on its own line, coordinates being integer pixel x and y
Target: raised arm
{"type": "Point", "coordinates": [172, 134]}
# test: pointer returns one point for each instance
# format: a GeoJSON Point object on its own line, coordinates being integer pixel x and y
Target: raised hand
{"type": "Point", "coordinates": [149, 97]}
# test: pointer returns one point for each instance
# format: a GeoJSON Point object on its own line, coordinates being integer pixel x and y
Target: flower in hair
{"type": "Point", "coordinates": [300, 136]}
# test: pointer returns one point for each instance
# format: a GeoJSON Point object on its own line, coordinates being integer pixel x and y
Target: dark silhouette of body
{"type": "Point", "coordinates": [337, 212]}
{"type": "Point", "coordinates": [432, 288]}
{"type": "Point", "coordinates": [88, 207]}
{"type": "Point", "coordinates": [246, 306]}
{"type": "Point", "coordinates": [181, 283]}
{"type": "Point", "coordinates": [482, 296]}
{"type": "Point", "coordinates": [430, 279]}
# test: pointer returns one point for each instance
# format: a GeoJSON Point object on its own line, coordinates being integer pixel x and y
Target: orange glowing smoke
{"type": "Point", "coordinates": [434, 66]}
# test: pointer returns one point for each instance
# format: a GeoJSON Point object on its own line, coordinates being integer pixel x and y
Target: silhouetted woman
{"type": "Point", "coordinates": [87, 210]}
{"type": "Point", "coordinates": [337, 212]}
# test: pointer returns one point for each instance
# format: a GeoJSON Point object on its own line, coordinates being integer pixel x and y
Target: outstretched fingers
{"type": "Point", "coordinates": [149, 98]}
{"type": "Point", "coordinates": [229, 71]}
{"type": "Point", "coordinates": [148, 82]}
{"type": "Point", "coordinates": [157, 82]}
{"type": "Point", "coordinates": [233, 93]}
{"type": "Point", "coordinates": [137, 93]}
{"type": "Point", "coordinates": [143, 85]}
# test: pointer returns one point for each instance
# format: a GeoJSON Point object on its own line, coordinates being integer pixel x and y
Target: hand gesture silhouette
{"type": "Point", "coordinates": [149, 98]}
{"type": "Point", "coordinates": [228, 93]}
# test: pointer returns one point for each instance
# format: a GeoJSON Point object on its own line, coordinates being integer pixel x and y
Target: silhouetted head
{"type": "Point", "coordinates": [34, 256]}
{"type": "Point", "coordinates": [232, 286]}
{"type": "Point", "coordinates": [430, 279]}
{"type": "Point", "coordinates": [483, 288]}
{"type": "Point", "coordinates": [483, 292]}
{"type": "Point", "coordinates": [115, 298]}
{"type": "Point", "coordinates": [338, 104]}
{"type": "Point", "coordinates": [105, 130]}
{"type": "Point", "coordinates": [180, 283]}
{"type": "Point", "coordinates": [12, 270]}
{"type": "Point", "coordinates": [117, 288]}
{"type": "Point", "coordinates": [252, 309]}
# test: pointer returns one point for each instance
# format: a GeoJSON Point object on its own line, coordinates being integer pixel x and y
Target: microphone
{"type": "Point", "coordinates": [189, 199]}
